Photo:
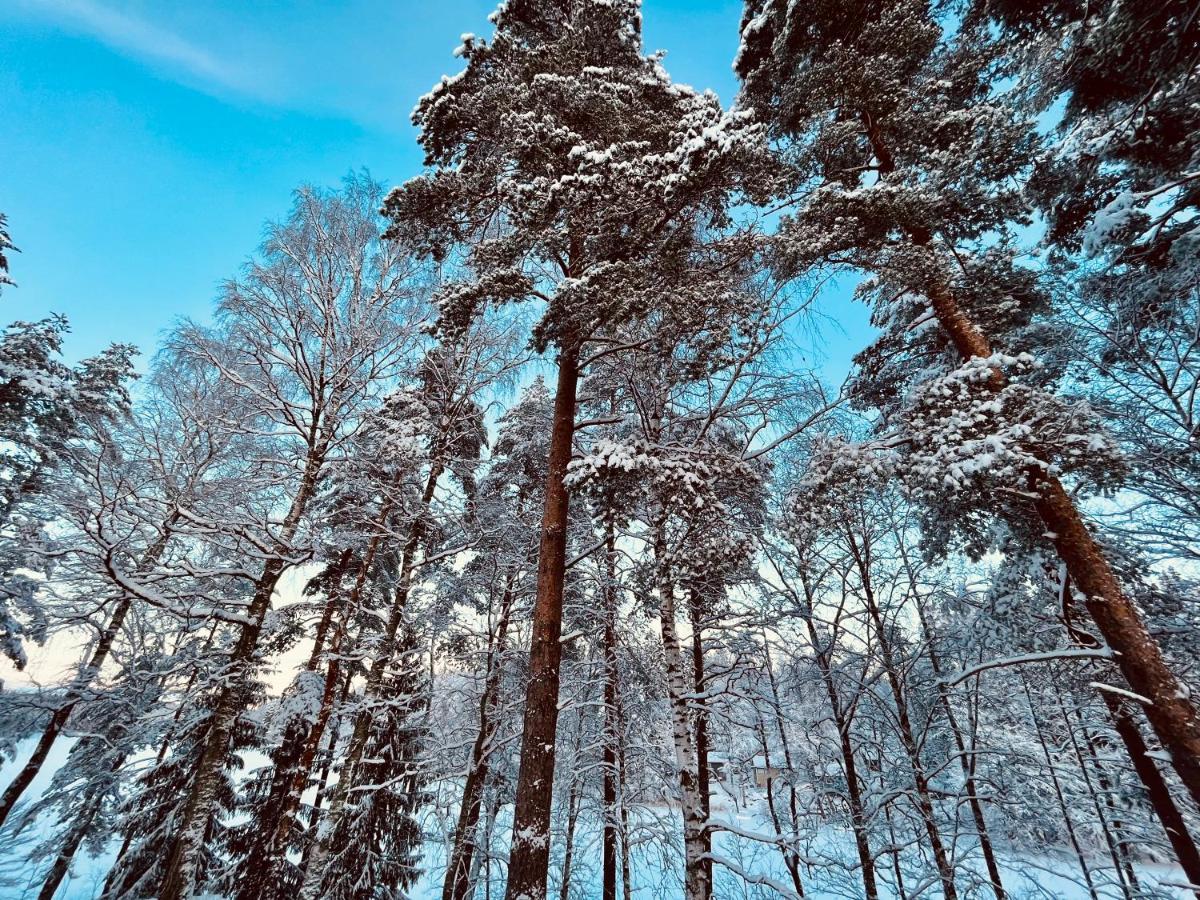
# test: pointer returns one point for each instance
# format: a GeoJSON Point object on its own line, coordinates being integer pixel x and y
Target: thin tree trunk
{"type": "Point", "coordinates": [1101, 819]}
{"type": "Point", "coordinates": [79, 829]}
{"type": "Point", "coordinates": [907, 735]}
{"type": "Point", "coordinates": [180, 869]}
{"type": "Point", "coordinates": [529, 857]}
{"type": "Point", "coordinates": [1124, 852]}
{"type": "Point", "coordinates": [1058, 792]}
{"type": "Point", "coordinates": [459, 868]}
{"type": "Point", "coordinates": [842, 720]}
{"type": "Point", "coordinates": [701, 724]}
{"type": "Point", "coordinates": [80, 684]}
{"type": "Point", "coordinates": [1157, 791]}
{"type": "Point", "coordinates": [1171, 711]}
{"type": "Point", "coordinates": [296, 753]}
{"type": "Point", "coordinates": [785, 744]}
{"type": "Point", "coordinates": [611, 836]}
{"type": "Point", "coordinates": [696, 886]}
{"type": "Point", "coordinates": [790, 862]}
{"type": "Point", "coordinates": [564, 888]}
{"type": "Point", "coordinates": [969, 784]}
{"type": "Point", "coordinates": [375, 678]}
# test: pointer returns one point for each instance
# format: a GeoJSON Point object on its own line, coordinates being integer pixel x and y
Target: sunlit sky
{"type": "Point", "coordinates": [144, 143]}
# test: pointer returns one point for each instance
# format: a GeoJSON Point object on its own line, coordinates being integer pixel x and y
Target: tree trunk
{"type": "Point", "coordinates": [564, 888]}
{"type": "Point", "coordinates": [1171, 711]}
{"type": "Point", "coordinates": [696, 885]}
{"type": "Point", "coordinates": [969, 784]}
{"type": "Point", "coordinates": [457, 882]}
{"type": "Point", "coordinates": [611, 837]}
{"type": "Point", "coordinates": [261, 876]}
{"type": "Point", "coordinates": [180, 870]}
{"type": "Point", "coordinates": [529, 857]}
{"type": "Point", "coordinates": [843, 720]}
{"type": "Point", "coordinates": [1110, 842]}
{"type": "Point", "coordinates": [907, 735]}
{"type": "Point", "coordinates": [1157, 791]}
{"type": "Point", "coordinates": [375, 679]}
{"type": "Point", "coordinates": [80, 684]}
{"type": "Point", "coordinates": [791, 859]}
{"type": "Point", "coordinates": [1064, 808]}
{"type": "Point", "coordinates": [701, 723]}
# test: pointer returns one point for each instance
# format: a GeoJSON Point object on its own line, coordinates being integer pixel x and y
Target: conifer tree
{"type": "Point", "coordinates": [904, 166]}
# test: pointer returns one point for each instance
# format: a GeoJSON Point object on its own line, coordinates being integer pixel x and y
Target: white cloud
{"type": "Point", "coordinates": [146, 41]}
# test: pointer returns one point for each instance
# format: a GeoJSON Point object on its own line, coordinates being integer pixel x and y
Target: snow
{"type": "Point", "coordinates": [748, 863]}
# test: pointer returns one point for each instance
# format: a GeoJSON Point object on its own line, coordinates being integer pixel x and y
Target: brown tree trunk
{"type": "Point", "coordinates": [1171, 711]}
{"type": "Point", "coordinates": [529, 857]}
{"type": "Point", "coordinates": [1157, 791]}
{"type": "Point", "coordinates": [457, 882]}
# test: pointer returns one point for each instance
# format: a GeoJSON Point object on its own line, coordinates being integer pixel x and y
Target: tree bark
{"type": "Point", "coordinates": [529, 857]}
{"type": "Point", "coordinates": [1171, 711]}
{"type": "Point", "coordinates": [696, 885]}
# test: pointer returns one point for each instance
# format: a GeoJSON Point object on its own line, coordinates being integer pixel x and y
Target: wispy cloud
{"type": "Point", "coordinates": [144, 40]}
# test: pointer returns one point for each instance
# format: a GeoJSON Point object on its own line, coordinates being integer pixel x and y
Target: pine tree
{"type": "Point", "coordinates": [568, 169]}
{"type": "Point", "coordinates": [908, 165]}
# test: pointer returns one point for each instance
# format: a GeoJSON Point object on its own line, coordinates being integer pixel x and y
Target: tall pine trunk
{"type": "Point", "coordinates": [529, 857]}
{"type": "Point", "coordinates": [1171, 711]}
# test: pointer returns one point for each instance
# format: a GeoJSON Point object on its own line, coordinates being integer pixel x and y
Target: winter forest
{"type": "Point", "coordinates": [495, 537]}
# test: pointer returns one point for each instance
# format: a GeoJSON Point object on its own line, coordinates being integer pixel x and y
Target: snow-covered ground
{"type": "Point", "coordinates": [655, 872]}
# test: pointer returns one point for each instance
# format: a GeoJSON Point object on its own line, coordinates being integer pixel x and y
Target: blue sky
{"type": "Point", "coordinates": [145, 143]}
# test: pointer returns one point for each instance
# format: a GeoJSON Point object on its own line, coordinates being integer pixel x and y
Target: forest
{"type": "Point", "coordinates": [498, 536]}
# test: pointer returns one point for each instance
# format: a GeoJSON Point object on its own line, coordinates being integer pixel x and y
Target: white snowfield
{"type": "Point", "coordinates": [747, 864]}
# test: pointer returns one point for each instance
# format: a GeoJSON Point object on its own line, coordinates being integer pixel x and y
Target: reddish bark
{"type": "Point", "coordinates": [530, 854]}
